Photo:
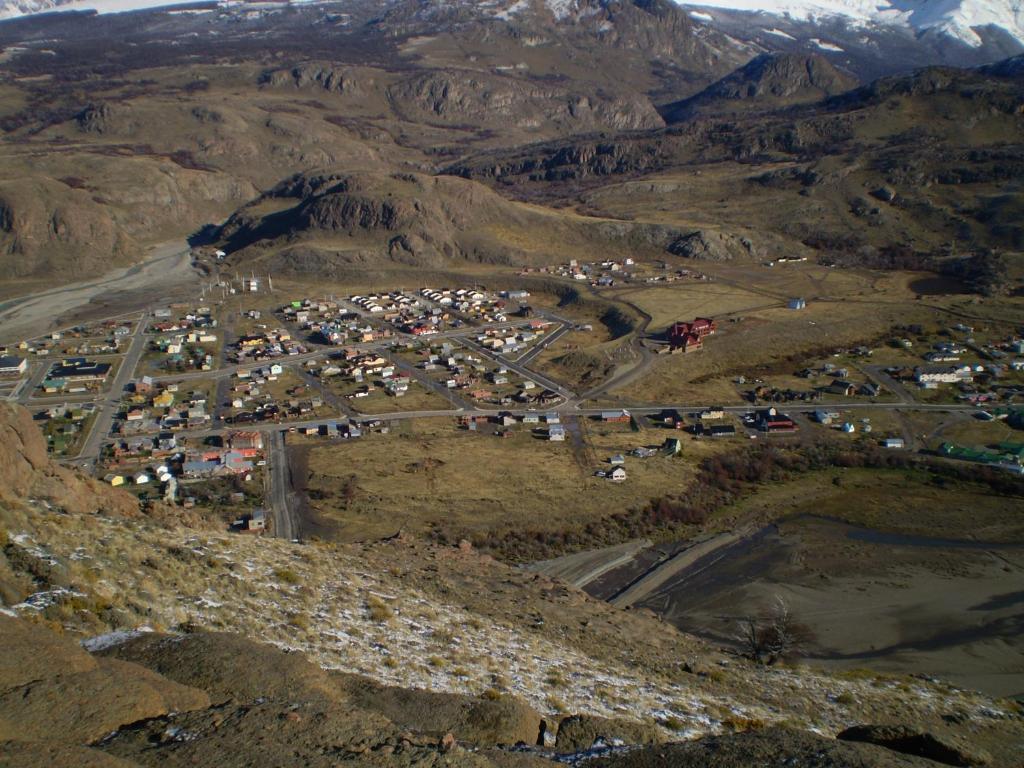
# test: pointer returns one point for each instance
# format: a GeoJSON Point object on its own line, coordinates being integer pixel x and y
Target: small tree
{"type": "Point", "coordinates": [768, 639]}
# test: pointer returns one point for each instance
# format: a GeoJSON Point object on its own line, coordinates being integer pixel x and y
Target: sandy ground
{"type": "Point", "coordinates": [954, 610]}
{"type": "Point", "coordinates": [581, 568]}
{"type": "Point", "coordinates": [165, 273]}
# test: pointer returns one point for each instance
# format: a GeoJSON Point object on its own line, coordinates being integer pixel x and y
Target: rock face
{"type": "Point", "coordinates": [710, 246]}
{"type": "Point", "coordinates": [27, 472]}
{"type": "Point", "coordinates": [768, 81]}
{"type": "Point", "coordinates": [579, 732]}
{"type": "Point", "coordinates": [486, 99]}
{"type": "Point", "coordinates": [51, 686]}
{"type": "Point", "coordinates": [320, 76]}
{"type": "Point", "coordinates": [940, 748]}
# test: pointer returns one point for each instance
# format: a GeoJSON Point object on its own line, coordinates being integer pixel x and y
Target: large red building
{"type": "Point", "coordinates": [690, 336]}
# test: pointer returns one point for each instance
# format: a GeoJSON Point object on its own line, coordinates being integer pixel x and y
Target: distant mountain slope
{"type": "Point", "coordinates": [959, 19]}
{"type": "Point", "coordinates": [767, 81]}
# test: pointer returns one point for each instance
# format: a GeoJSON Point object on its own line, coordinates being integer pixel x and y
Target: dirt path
{"type": "Point", "coordinates": [581, 568]}
{"type": "Point", "coordinates": [663, 572]}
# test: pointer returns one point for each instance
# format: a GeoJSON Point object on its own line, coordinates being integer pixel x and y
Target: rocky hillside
{"type": "Point", "coordinates": [768, 81]}
{"type": "Point", "coordinates": [327, 220]}
{"type": "Point", "coordinates": [380, 651]}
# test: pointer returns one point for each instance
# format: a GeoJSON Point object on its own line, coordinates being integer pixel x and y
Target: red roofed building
{"type": "Point", "coordinates": [690, 336]}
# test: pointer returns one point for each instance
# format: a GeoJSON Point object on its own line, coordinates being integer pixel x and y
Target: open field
{"type": "Point", "coordinates": [429, 475]}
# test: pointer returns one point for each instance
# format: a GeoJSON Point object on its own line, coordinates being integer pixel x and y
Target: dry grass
{"type": "Point", "coordinates": [432, 475]}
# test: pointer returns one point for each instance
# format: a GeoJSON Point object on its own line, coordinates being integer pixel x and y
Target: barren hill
{"type": "Point", "coordinates": [361, 633]}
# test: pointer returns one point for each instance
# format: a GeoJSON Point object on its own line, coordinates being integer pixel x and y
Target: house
{"type": "Point", "coordinates": [849, 428]}
{"type": "Point", "coordinates": [617, 475]}
{"type": "Point", "coordinates": [115, 480]}
{"type": "Point", "coordinates": [711, 413]}
{"type": "Point", "coordinates": [164, 400]}
{"type": "Point", "coordinates": [943, 374]}
{"type": "Point", "coordinates": [12, 365]}
{"type": "Point", "coordinates": [825, 417]}
{"type": "Point", "coordinates": [238, 441]}
{"type": "Point", "coordinates": [842, 387]}
{"type": "Point", "coordinates": [870, 389]}
{"type": "Point", "coordinates": [141, 479]}
{"type": "Point", "coordinates": [797, 304]}
{"type": "Point", "coordinates": [720, 430]}
{"type": "Point", "coordinates": [893, 442]}
{"type": "Point", "coordinates": [770, 420]}
{"type": "Point", "coordinates": [556, 432]}
{"type": "Point", "coordinates": [690, 336]}
{"type": "Point", "coordinates": [615, 417]}
{"type": "Point", "coordinates": [672, 446]}
{"type": "Point", "coordinates": [617, 460]}
{"type": "Point", "coordinates": [531, 418]}
{"type": "Point", "coordinates": [78, 369]}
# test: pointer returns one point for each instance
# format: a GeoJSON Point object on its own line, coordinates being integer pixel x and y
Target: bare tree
{"type": "Point", "coordinates": [778, 635]}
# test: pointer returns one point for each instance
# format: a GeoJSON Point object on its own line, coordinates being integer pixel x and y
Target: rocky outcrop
{"type": "Point", "coordinates": [456, 96]}
{"type": "Point", "coordinates": [104, 118]}
{"type": "Point", "coordinates": [502, 719]}
{"type": "Point", "coordinates": [26, 472]}
{"type": "Point", "coordinates": [938, 747]}
{"type": "Point", "coordinates": [707, 245]}
{"type": "Point", "coordinates": [52, 690]}
{"type": "Point", "coordinates": [320, 76]}
{"type": "Point", "coordinates": [580, 732]}
{"type": "Point", "coordinates": [768, 81]}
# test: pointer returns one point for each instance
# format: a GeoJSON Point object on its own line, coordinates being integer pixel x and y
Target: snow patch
{"type": "Point", "coordinates": [957, 18]}
{"type": "Point", "coordinates": [778, 33]}
{"type": "Point", "coordinates": [826, 46]}
{"type": "Point", "coordinates": [702, 16]}
{"type": "Point", "coordinates": [112, 639]}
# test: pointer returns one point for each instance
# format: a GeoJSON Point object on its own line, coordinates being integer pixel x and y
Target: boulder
{"type": "Point", "coordinates": [579, 732]}
{"type": "Point", "coordinates": [469, 719]}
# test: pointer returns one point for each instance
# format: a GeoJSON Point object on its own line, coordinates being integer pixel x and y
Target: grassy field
{"type": "Point", "coordinates": [429, 474]}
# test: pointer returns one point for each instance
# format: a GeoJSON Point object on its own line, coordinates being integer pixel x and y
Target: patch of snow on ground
{"type": "Point", "coordinates": [825, 46]}
{"type": "Point", "coordinates": [778, 33]}
{"type": "Point", "coordinates": [112, 639]}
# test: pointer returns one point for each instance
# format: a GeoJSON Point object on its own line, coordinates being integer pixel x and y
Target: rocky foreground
{"type": "Point", "coordinates": [117, 652]}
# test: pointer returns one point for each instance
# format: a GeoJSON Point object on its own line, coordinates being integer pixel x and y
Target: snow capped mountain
{"type": "Point", "coordinates": [959, 19]}
{"type": "Point", "coordinates": [10, 9]}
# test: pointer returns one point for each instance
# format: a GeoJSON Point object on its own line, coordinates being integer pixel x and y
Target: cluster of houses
{"type": "Point", "coordinates": [75, 374]}
{"type": "Point", "coordinates": [238, 456]}
{"type": "Point", "coordinates": [365, 368]}
{"type": "Point", "coordinates": [596, 273]}
{"type": "Point", "coordinates": [512, 341]}
{"type": "Point", "coordinates": [160, 460]}
{"type": "Point", "coordinates": [184, 351]}
{"type": "Point", "coordinates": [151, 407]}
{"type": "Point", "coordinates": [689, 336]}
{"type": "Point", "coordinates": [198, 319]}
{"type": "Point", "coordinates": [102, 338]}
{"type": "Point", "coordinates": [472, 303]}
{"type": "Point", "coordinates": [326, 321]}
{"type": "Point", "coordinates": [251, 403]}
{"type": "Point", "coordinates": [267, 345]}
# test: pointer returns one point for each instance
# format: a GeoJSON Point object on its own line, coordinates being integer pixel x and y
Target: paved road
{"type": "Point", "coordinates": [108, 408]}
{"type": "Point", "coordinates": [285, 522]}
